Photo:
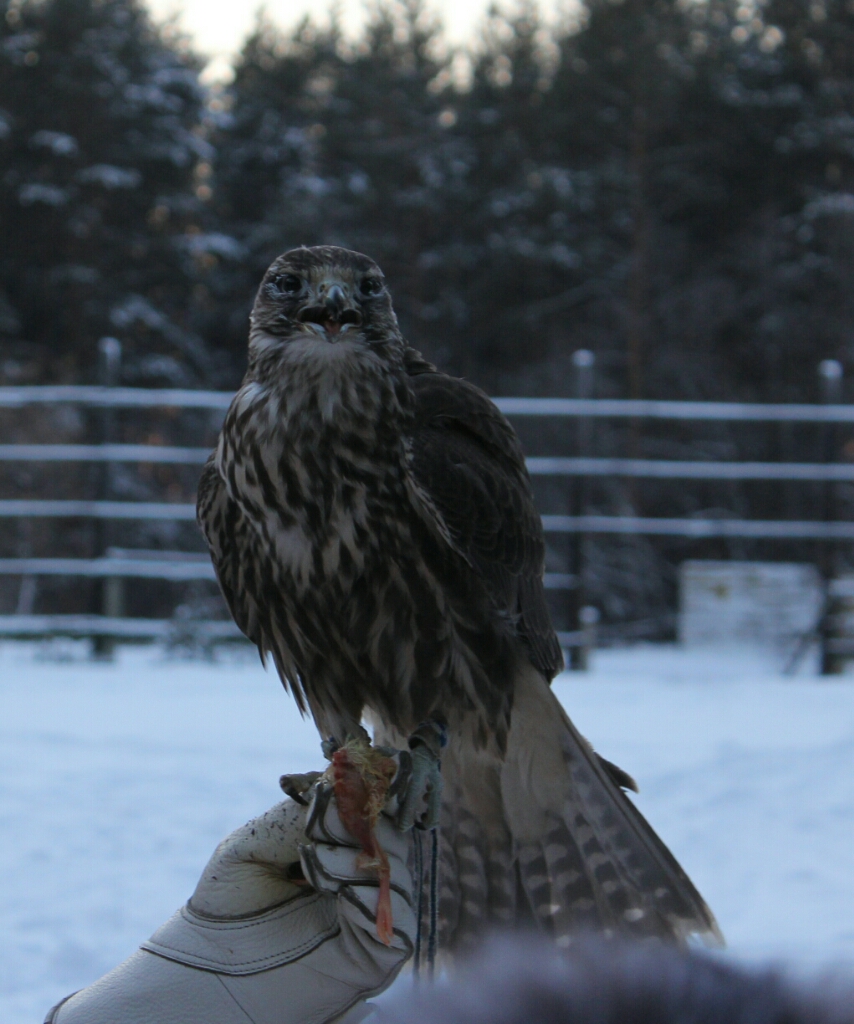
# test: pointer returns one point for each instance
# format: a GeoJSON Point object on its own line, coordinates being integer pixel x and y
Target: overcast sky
{"type": "Point", "coordinates": [218, 27]}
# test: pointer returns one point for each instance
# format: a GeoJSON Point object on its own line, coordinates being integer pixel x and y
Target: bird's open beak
{"type": "Point", "coordinates": [334, 312]}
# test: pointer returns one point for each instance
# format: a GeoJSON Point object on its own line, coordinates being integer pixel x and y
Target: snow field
{"type": "Point", "coordinates": [118, 780]}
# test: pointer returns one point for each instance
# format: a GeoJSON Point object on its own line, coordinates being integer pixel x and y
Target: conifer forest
{"type": "Point", "coordinates": [668, 184]}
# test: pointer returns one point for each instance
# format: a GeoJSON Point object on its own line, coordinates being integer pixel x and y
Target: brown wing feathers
{"type": "Point", "coordinates": [467, 457]}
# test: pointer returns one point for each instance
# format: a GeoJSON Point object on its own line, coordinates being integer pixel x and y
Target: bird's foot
{"type": "Point", "coordinates": [329, 746]}
{"type": "Point", "coordinates": [352, 734]}
{"type": "Point", "coordinates": [418, 784]}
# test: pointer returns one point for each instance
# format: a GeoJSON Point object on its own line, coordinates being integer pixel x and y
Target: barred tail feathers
{"type": "Point", "coordinates": [544, 836]}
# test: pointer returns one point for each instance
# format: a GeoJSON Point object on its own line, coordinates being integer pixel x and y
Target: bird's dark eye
{"type": "Point", "coordinates": [288, 284]}
{"type": "Point", "coordinates": [371, 286]}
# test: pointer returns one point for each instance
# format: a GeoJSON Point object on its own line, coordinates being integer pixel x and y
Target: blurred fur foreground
{"type": "Point", "coordinates": [526, 981]}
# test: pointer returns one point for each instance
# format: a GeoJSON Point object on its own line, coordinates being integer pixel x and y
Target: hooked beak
{"type": "Point", "coordinates": [334, 313]}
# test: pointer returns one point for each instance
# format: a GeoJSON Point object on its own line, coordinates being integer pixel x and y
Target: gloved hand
{"type": "Point", "coordinates": [280, 930]}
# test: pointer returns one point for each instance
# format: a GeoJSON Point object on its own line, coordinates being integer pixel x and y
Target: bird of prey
{"type": "Point", "coordinates": [373, 531]}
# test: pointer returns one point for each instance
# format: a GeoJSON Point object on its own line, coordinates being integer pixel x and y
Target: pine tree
{"type": "Point", "coordinates": [101, 194]}
{"type": "Point", "coordinates": [267, 141]}
{"type": "Point", "coordinates": [771, 123]}
{"type": "Point", "coordinates": [336, 143]}
{"type": "Point", "coordinates": [506, 252]}
{"type": "Point", "coordinates": [615, 107]}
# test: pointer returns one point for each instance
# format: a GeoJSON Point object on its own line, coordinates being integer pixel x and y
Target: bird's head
{"type": "Point", "coordinates": [323, 294]}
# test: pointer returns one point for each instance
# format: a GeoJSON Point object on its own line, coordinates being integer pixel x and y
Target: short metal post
{"type": "Point", "coordinates": [830, 385]}
{"type": "Point", "coordinates": [110, 356]}
{"type": "Point", "coordinates": [114, 597]}
{"type": "Point", "coordinates": [112, 587]}
{"type": "Point", "coordinates": [583, 360]}
{"type": "Point", "coordinates": [588, 620]}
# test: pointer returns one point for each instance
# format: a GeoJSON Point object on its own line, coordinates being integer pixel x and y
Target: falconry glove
{"type": "Point", "coordinates": [281, 929]}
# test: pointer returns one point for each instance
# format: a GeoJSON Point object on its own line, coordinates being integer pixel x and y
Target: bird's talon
{"type": "Point", "coordinates": [329, 746]}
{"type": "Point", "coordinates": [432, 734]}
{"type": "Point", "coordinates": [421, 800]}
{"type": "Point", "coordinates": [295, 785]}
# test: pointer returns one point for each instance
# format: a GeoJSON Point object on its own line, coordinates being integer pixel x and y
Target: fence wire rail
{"type": "Point", "coordinates": [673, 469]}
{"type": "Point", "coordinates": [610, 408]}
{"type": "Point", "coordinates": [659, 469]}
{"type": "Point", "coordinates": [103, 453]}
{"type": "Point", "coordinates": [112, 397]}
{"type": "Point", "coordinates": [626, 408]}
{"type": "Point", "coordinates": [106, 568]}
{"type": "Point", "coordinates": [202, 631]}
{"type": "Point", "coordinates": [758, 529]}
{"type": "Point", "coordinates": [169, 510]}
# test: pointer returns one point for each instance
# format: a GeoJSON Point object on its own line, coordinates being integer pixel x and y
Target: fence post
{"type": "Point", "coordinates": [112, 587]}
{"type": "Point", "coordinates": [588, 620]}
{"type": "Point", "coordinates": [830, 385]}
{"type": "Point", "coordinates": [583, 360]}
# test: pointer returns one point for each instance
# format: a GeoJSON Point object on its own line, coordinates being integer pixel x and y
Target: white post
{"type": "Point", "coordinates": [588, 620]}
{"type": "Point", "coordinates": [112, 587]}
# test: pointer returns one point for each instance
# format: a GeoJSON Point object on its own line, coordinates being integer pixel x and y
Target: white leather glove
{"type": "Point", "coordinates": [280, 930]}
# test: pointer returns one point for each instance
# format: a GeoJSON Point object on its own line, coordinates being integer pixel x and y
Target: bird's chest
{"type": "Point", "coordinates": [337, 524]}
{"type": "Point", "coordinates": [330, 505]}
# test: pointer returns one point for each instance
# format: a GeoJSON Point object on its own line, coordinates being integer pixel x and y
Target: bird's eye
{"type": "Point", "coordinates": [288, 284]}
{"type": "Point", "coordinates": [371, 286]}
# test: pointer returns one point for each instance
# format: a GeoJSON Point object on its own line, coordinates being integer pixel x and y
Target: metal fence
{"type": "Point", "coordinates": [185, 566]}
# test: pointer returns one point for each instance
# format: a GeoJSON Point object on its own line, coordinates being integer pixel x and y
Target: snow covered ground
{"type": "Point", "coordinates": [117, 781]}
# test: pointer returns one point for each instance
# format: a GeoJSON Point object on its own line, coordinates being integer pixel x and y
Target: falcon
{"type": "Point", "coordinates": [373, 530]}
